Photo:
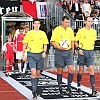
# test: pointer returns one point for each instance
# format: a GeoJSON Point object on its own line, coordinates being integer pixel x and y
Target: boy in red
{"type": "Point", "coordinates": [9, 51]}
{"type": "Point", "coordinates": [18, 47]}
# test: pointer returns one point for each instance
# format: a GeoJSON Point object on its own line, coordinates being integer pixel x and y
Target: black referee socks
{"type": "Point", "coordinates": [70, 79]}
{"type": "Point", "coordinates": [92, 80]}
{"type": "Point", "coordinates": [59, 79]}
{"type": "Point", "coordinates": [79, 77]}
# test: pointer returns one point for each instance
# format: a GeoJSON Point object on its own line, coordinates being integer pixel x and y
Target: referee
{"type": "Point", "coordinates": [86, 37]}
{"type": "Point", "coordinates": [37, 46]}
{"type": "Point", "coordinates": [64, 56]}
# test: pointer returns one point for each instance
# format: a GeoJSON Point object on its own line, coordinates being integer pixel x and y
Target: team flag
{"type": "Point", "coordinates": [35, 9]}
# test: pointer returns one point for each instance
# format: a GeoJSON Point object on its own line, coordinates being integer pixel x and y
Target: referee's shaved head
{"type": "Point", "coordinates": [88, 22]}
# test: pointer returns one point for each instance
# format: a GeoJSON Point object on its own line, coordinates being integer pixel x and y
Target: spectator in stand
{"type": "Point", "coordinates": [92, 10]}
{"type": "Point", "coordinates": [81, 5]}
{"type": "Point", "coordinates": [76, 8]}
{"type": "Point", "coordinates": [86, 8]}
{"type": "Point", "coordinates": [65, 6]}
{"type": "Point", "coordinates": [74, 15]}
{"type": "Point", "coordinates": [92, 2]}
{"type": "Point", "coordinates": [95, 20]}
{"type": "Point", "coordinates": [98, 12]}
{"type": "Point", "coordinates": [82, 16]}
{"type": "Point", "coordinates": [97, 4]}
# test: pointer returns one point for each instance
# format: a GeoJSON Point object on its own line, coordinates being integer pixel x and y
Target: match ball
{"type": "Point", "coordinates": [64, 44]}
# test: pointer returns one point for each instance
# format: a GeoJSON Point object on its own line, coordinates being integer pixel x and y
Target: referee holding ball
{"type": "Point", "coordinates": [86, 37]}
{"type": "Point", "coordinates": [64, 56]}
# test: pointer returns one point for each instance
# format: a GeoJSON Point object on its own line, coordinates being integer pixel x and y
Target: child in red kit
{"type": "Point", "coordinates": [9, 54]}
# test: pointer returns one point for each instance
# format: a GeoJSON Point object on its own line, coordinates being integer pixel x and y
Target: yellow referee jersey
{"type": "Point", "coordinates": [86, 38]}
{"type": "Point", "coordinates": [60, 34]}
{"type": "Point", "coordinates": [35, 41]}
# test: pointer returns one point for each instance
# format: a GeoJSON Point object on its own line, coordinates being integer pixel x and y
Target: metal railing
{"type": "Point", "coordinates": [55, 14]}
{"type": "Point", "coordinates": [50, 62]}
{"type": "Point", "coordinates": [95, 25]}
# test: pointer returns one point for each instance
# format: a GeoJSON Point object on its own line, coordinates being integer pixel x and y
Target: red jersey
{"type": "Point", "coordinates": [19, 42]}
{"type": "Point", "coordinates": [8, 47]}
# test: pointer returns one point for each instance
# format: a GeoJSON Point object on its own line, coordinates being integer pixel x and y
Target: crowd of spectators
{"type": "Point", "coordinates": [79, 9]}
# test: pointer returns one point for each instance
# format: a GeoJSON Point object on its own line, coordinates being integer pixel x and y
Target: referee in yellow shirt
{"type": "Point", "coordinates": [86, 37]}
{"type": "Point", "coordinates": [37, 46]}
{"type": "Point", "coordinates": [64, 56]}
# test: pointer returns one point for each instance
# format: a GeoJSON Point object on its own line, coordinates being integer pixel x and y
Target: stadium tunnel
{"type": "Point", "coordinates": [14, 17]}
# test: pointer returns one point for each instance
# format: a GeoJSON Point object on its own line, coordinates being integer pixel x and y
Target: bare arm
{"type": "Point", "coordinates": [15, 48]}
{"type": "Point", "coordinates": [24, 48]}
{"type": "Point", "coordinates": [76, 44]}
{"type": "Point", "coordinates": [24, 51]}
{"type": "Point", "coordinates": [2, 54]}
{"type": "Point", "coordinates": [45, 49]}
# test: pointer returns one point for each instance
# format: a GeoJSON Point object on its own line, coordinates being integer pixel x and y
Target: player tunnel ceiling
{"type": "Point", "coordinates": [16, 14]}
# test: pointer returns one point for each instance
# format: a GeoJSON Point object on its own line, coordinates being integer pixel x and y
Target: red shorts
{"type": "Point", "coordinates": [10, 57]}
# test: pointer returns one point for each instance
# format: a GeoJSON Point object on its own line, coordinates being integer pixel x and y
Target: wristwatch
{"type": "Point", "coordinates": [78, 48]}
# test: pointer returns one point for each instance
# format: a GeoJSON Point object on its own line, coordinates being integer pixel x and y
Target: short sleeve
{"type": "Point", "coordinates": [72, 34]}
{"type": "Point", "coordinates": [26, 38]}
{"type": "Point", "coordinates": [45, 39]}
{"type": "Point", "coordinates": [4, 47]}
{"type": "Point", "coordinates": [54, 35]}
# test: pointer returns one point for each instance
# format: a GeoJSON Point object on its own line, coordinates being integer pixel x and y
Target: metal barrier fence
{"type": "Point", "coordinates": [55, 14]}
{"type": "Point", "coordinates": [96, 25]}
{"type": "Point", "coordinates": [50, 62]}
